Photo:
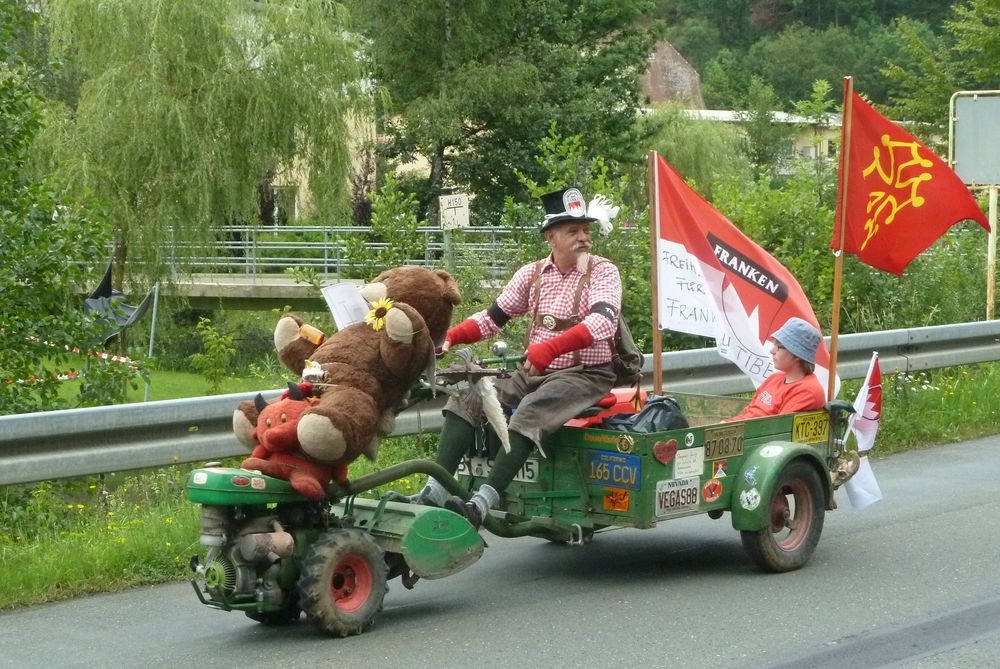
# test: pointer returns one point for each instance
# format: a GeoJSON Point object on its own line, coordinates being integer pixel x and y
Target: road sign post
{"type": "Point", "coordinates": [973, 132]}
{"type": "Point", "coordinates": [454, 215]}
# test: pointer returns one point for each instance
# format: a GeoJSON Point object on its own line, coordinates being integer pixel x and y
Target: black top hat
{"type": "Point", "coordinates": [565, 206]}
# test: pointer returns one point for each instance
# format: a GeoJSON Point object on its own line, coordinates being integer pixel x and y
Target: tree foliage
{"type": "Point", "coordinates": [766, 143]}
{"type": "Point", "coordinates": [705, 152]}
{"type": "Point", "coordinates": [472, 86]}
{"type": "Point", "coordinates": [966, 56]}
{"type": "Point", "coordinates": [48, 243]}
{"type": "Point", "coordinates": [188, 109]}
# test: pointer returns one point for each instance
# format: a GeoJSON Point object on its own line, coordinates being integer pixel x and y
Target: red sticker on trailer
{"type": "Point", "coordinates": [711, 491]}
{"type": "Point", "coordinates": [664, 451]}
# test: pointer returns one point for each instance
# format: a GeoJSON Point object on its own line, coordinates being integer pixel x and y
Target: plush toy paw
{"type": "Point", "coordinates": [307, 486]}
{"type": "Point", "coordinates": [373, 292]}
{"type": "Point", "coordinates": [286, 331]}
{"type": "Point", "coordinates": [295, 341]}
{"type": "Point", "coordinates": [320, 438]}
{"type": "Point", "coordinates": [245, 422]}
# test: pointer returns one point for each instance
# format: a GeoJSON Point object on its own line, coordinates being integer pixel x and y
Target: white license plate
{"type": "Point", "coordinates": [480, 468]}
{"type": "Point", "coordinates": [676, 495]}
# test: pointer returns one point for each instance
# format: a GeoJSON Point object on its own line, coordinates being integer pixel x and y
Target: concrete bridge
{"type": "Point", "coordinates": [258, 292]}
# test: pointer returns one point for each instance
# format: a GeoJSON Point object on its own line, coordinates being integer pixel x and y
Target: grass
{"type": "Point", "coordinates": [170, 384]}
{"type": "Point", "coordinates": [67, 538]}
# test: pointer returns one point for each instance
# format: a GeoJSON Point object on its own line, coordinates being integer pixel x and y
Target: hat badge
{"type": "Point", "coordinates": [573, 202]}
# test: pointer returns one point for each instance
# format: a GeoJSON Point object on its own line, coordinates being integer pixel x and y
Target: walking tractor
{"type": "Point", "coordinates": [274, 554]}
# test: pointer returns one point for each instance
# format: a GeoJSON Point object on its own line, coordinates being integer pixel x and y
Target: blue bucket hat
{"type": "Point", "coordinates": [799, 337]}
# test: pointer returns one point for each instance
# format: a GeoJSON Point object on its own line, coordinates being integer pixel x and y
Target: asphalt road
{"type": "Point", "coordinates": [911, 582]}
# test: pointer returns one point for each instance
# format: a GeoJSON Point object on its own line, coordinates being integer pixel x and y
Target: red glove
{"type": "Point", "coordinates": [466, 332]}
{"type": "Point", "coordinates": [542, 354]}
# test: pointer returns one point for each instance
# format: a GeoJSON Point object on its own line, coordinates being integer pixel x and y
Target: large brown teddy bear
{"type": "Point", "coordinates": [277, 451]}
{"type": "Point", "coordinates": [362, 372]}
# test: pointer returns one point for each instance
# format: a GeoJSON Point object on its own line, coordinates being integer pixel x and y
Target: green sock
{"type": "Point", "coordinates": [457, 437]}
{"type": "Point", "coordinates": [507, 465]}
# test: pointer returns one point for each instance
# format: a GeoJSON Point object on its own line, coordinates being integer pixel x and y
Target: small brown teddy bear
{"type": "Point", "coordinates": [362, 372]}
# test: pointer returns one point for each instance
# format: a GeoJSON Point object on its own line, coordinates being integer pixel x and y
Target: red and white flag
{"type": "Point", "coordinates": [714, 281]}
{"type": "Point", "coordinates": [862, 488]}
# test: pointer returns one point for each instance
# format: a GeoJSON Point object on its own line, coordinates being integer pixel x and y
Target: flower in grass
{"type": "Point", "coordinates": [376, 317]}
{"type": "Point", "coordinates": [168, 520]}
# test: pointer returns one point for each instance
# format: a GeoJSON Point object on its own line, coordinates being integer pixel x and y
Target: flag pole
{"type": "Point", "coordinates": [839, 226]}
{"type": "Point", "coordinates": [654, 230]}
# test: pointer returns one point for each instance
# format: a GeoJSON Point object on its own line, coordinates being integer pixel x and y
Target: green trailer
{"type": "Point", "coordinates": [274, 554]}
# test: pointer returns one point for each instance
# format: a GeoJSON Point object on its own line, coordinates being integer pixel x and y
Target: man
{"type": "Point", "coordinates": [573, 299]}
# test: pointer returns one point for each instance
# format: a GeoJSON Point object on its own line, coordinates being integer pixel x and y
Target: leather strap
{"type": "Point", "coordinates": [559, 324]}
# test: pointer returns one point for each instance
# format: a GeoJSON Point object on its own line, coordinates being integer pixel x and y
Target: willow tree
{"type": "Point", "coordinates": [188, 106]}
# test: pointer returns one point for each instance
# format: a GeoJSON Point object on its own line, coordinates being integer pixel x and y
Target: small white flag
{"type": "Point", "coordinates": [862, 488]}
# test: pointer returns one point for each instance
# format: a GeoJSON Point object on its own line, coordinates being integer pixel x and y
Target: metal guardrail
{"type": "Point", "coordinates": [77, 442]}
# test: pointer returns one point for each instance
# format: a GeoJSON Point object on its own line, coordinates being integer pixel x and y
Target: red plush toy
{"type": "Point", "coordinates": [278, 452]}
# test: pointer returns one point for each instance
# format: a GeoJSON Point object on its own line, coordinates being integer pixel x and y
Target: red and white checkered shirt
{"type": "Point", "coordinates": [555, 297]}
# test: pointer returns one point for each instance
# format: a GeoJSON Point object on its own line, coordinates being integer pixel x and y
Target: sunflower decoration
{"type": "Point", "coordinates": [376, 317]}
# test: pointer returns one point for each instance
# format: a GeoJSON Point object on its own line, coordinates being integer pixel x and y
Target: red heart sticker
{"type": "Point", "coordinates": [664, 451]}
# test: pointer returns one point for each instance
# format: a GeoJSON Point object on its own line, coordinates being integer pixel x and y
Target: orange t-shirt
{"type": "Point", "coordinates": [775, 396]}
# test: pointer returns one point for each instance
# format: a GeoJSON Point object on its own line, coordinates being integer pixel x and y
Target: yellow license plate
{"type": "Point", "coordinates": [811, 428]}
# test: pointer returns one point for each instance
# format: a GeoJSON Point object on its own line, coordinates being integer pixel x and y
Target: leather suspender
{"type": "Point", "coordinates": [536, 287]}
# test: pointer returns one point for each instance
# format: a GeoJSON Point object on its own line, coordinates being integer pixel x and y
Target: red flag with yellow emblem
{"type": "Point", "coordinates": [899, 197]}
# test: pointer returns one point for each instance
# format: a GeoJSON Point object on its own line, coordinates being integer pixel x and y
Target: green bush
{"type": "Point", "coordinates": [213, 362]}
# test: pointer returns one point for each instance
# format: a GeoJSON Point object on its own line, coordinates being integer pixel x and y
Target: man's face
{"type": "Point", "coordinates": [569, 239]}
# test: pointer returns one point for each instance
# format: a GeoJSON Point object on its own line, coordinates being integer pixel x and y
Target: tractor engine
{"type": "Point", "coordinates": [244, 555]}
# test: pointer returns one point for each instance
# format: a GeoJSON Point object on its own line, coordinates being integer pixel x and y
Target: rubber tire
{"type": "Point", "coordinates": [343, 582]}
{"type": "Point", "coordinates": [771, 548]}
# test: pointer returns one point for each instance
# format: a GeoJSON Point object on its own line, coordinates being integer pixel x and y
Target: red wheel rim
{"type": "Point", "coordinates": [790, 526]}
{"type": "Point", "coordinates": [351, 583]}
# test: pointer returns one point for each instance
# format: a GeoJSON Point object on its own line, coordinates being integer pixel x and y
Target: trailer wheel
{"type": "Point", "coordinates": [343, 582]}
{"type": "Point", "coordinates": [795, 520]}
